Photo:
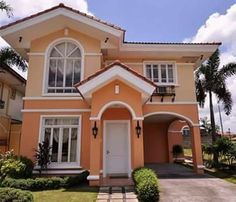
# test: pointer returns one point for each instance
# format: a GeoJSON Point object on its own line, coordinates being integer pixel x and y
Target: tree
{"type": "Point", "coordinates": [8, 55]}
{"type": "Point", "coordinates": [206, 125]}
{"type": "Point", "coordinates": [210, 79]}
{"type": "Point", "coordinates": [5, 7]}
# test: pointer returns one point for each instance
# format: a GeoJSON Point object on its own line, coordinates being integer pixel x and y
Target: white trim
{"type": "Point", "coordinates": [55, 110]}
{"type": "Point", "coordinates": [53, 98]}
{"type": "Point", "coordinates": [200, 166]}
{"type": "Point", "coordinates": [159, 62]}
{"type": "Point", "coordinates": [93, 177]}
{"type": "Point", "coordinates": [78, 152]}
{"type": "Point", "coordinates": [172, 103]}
{"type": "Point", "coordinates": [113, 73]}
{"type": "Point", "coordinates": [46, 64]}
{"type": "Point", "coordinates": [104, 144]}
{"type": "Point", "coordinates": [64, 12]}
{"type": "Point", "coordinates": [107, 105]}
{"type": "Point", "coordinates": [36, 54]}
{"type": "Point", "coordinates": [107, 62]}
{"type": "Point", "coordinates": [92, 54]}
{"type": "Point", "coordinates": [59, 171]}
{"type": "Point", "coordinates": [171, 113]}
{"type": "Point", "coordinates": [174, 131]}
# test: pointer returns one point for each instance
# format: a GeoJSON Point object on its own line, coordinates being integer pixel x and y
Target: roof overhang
{"type": "Point", "coordinates": [116, 71]}
{"type": "Point", "coordinates": [54, 19]}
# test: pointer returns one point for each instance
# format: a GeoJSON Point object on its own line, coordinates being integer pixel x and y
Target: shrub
{"type": "Point", "coordinates": [10, 194]}
{"type": "Point", "coordinates": [9, 164]}
{"type": "Point", "coordinates": [26, 171]}
{"type": "Point", "coordinates": [146, 184]}
{"type": "Point", "coordinates": [38, 184]}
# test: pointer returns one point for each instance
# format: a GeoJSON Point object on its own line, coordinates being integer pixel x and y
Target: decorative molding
{"type": "Point", "coordinates": [54, 110]}
{"type": "Point", "coordinates": [172, 103]}
{"type": "Point", "coordinates": [92, 54]}
{"type": "Point", "coordinates": [200, 166]}
{"type": "Point", "coordinates": [93, 177]}
{"type": "Point", "coordinates": [36, 54]}
{"type": "Point", "coordinates": [53, 98]}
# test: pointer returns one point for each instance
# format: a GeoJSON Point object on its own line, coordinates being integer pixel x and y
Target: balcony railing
{"type": "Point", "coordinates": [164, 91]}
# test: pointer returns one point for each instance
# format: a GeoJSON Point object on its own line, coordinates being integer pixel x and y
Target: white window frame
{"type": "Point", "coordinates": [76, 164]}
{"type": "Point", "coordinates": [185, 128]}
{"type": "Point", "coordinates": [159, 63]}
{"type": "Point", "coordinates": [46, 66]}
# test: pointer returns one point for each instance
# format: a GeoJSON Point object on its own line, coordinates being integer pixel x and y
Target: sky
{"type": "Point", "coordinates": [162, 21]}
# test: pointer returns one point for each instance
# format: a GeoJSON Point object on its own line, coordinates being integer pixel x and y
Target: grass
{"type": "Point", "coordinates": [78, 194]}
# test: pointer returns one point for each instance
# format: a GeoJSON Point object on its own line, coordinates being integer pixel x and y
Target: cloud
{"type": "Point", "coordinates": [24, 8]}
{"type": "Point", "coordinates": [221, 27]}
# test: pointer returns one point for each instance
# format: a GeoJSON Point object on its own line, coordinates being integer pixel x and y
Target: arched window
{"type": "Point", "coordinates": [186, 131]}
{"type": "Point", "coordinates": [64, 67]}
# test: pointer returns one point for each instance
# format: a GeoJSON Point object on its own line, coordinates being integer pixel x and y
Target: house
{"type": "Point", "coordinates": [103, 104]}
{"type": "Point", "coordinates": [12, 91]}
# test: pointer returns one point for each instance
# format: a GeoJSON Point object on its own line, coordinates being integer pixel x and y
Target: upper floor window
{"type": "Point", "coordinates": [186, 131]}
{"type": "Point", "coordinates": [64, 68]}
{"type": "Point", "coordinates": [161, 72]}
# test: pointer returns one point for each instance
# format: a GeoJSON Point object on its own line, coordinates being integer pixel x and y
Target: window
{"type": "Point", "coordinates": [160, 73]}
{"type": "Point", "coordinates": [64, 68]}
{"type": "Point", "coordinates": [62, 134]}
{"type": "Point", "coordinates": [186, 131]}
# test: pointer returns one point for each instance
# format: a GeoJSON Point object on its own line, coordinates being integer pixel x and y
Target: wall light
{"type": "Point", "coordinates": [95, 130]}
{"type": "Point", "coordinates": [138, 129]}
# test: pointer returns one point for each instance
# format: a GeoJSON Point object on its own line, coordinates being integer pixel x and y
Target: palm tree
{"type": "Point", "coordinates": [210, 79]}
{"type": "Point", "coordinates": [5, 7]}
{"type": "Point", "coordinates": [8, 55]}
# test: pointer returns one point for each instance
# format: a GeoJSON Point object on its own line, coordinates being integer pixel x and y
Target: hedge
{"type": "Point", "coordinates": [39, 184]}
{"type": "Point", "coordinates": [146, 184]}
{"type": "Point", "coordinates": [16, 195]}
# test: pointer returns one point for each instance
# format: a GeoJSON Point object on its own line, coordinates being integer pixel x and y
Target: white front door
{"type": "Point", "coordinates": [116, 148]}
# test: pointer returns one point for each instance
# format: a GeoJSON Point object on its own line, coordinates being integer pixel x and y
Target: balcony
{"type": "Point", "coordinates": [164, 91]}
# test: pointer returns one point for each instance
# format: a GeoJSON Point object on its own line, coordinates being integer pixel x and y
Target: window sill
{"type": "Point", "coordinates": [167, 84]}
{"type": "Point", "coordinates": [61, 94]}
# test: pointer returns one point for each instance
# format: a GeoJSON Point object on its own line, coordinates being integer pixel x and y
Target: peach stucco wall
{"type": "Point", "coordinates": [155, 142]}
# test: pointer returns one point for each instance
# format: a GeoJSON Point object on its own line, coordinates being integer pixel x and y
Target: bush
{"type": "Point", "coordinates": [9, 194]}
{"type": "Point", "coordinates": [26, 171]}
{"type": "Point", "coordinates": [39, 184]}
{"type": "Point", "coordinates": [146, 184]}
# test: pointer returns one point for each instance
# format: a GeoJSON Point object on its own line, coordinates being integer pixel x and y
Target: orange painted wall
{"type": "Point", "coordinates": [155, 142]}
{"type": "Point", "coordinates": [15, 137]}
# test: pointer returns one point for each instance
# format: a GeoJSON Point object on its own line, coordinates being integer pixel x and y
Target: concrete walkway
{"type": "Point", "coordinates": [117, 194]}
{"type": "Point", "coordinates": [180, 184]}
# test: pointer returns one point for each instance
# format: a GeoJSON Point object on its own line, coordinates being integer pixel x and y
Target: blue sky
{"type": "Point", "coordinates": [158, 20]}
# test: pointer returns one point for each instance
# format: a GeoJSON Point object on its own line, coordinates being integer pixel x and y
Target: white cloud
{"type": "Point", "coordinates": [221, 27]}
{"type": "Point", "coordinates": [24, 8]}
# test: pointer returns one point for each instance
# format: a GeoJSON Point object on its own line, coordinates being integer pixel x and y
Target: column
{"type": "Point", "coordinates": [95, 155]}
{"type": "Point", "coordinates": [197, 150]}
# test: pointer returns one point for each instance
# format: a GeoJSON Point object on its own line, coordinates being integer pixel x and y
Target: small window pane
{"type": "Point", "coordinates": [69, 73]}
{"type": "Point", "coordinates": [52, 73]}
{"type": "Point", "coordinates": [61, 48]}
{"type": "Point", "coordinates": [73, 144]}
{"type": "Point", "coordinates": [60, 72]}
{"type": "Point", "coordinates": [163, 73]}
{"type": "Point", "coordinates": [149, 71]}
{"type": "Point", "coordinates": [155, 73]}
{"type": "Point", "coordinates": [76, 53]}
{"type": "Point", "coordinates": [70, 47]}
{"type": "Point", "coordinates": [65, 145]}
{"type": "Point", "coordinates": [170, 74]}
{"type": "Point", "coordinates": [55, 53]}
{"type": "Point", "coordinates": [47, 135]}
{"type": "Point", "coordinates": [77, 71]}
{"type": "Point", "coordinates": [55, 144]}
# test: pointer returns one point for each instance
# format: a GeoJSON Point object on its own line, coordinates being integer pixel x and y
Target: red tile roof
{"type": "Point", "coordinates": [171, 43]}
{"type": "Point", "coordinates": [117, 62]}
{"type": "Point", "coordinates": [61, 5]}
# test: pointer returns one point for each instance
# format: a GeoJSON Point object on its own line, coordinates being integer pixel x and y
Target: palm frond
{"type": "Point", "coordinates": [7, 8]}
{"type": "Point", "coordinates": [214, 61]}
{"type": "Point", "coordinates": [228, 70]}
{"type": "Point", "coordinates": [224, 95]}
{"type": "Point", "coordinates": [200, 91]}
{"type": "Point", "coordinates": [10, 57]}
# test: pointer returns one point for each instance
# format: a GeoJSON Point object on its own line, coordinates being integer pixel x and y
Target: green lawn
{"type": "Point", "coordinates": [77, 194]}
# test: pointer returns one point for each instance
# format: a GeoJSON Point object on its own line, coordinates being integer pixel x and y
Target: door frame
{"type": "Point", "coordinates": [105, 122]}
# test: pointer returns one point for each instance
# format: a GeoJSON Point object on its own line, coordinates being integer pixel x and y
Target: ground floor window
{"type": "Point", "coordinates": [63, 135]}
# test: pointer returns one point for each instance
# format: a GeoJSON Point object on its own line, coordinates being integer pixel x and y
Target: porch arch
{"type": "Point", "coordinates": [109, 104]}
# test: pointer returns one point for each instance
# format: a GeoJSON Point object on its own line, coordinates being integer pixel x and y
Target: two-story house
{"type": "Point", "coordinates": [104, 104]}
{"type": "Point", "coordinates": [12, 91]}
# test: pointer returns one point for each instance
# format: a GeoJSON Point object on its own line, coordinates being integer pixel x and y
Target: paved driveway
{"type": "Point", "coordinates": [180, 184]}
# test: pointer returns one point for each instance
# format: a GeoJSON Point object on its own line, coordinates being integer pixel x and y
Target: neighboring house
{"type": "Point", "coordinates": [98, 113]}
{"type": "Point", "coordinates": [12, 91]}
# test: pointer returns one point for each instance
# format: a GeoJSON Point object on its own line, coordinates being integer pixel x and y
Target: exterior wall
{"type": "Point", "coordinates": [92, 63]}
{"type": "Point", "coordinates": [27, 148]}
{"type": "Point", "coordinates": [155, 142]}
{"type": "Point", "coordinates": [15, 136]}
